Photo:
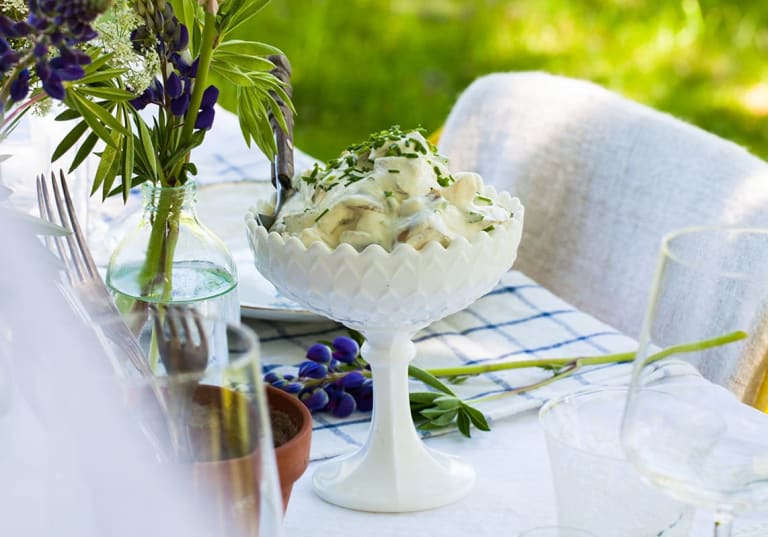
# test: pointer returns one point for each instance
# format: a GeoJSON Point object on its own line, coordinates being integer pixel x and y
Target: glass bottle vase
{"type": "Point", "coordinates": [173, 258]}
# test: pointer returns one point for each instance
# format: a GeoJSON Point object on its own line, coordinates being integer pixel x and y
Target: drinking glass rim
{"type": "Point", "coordinates": [668, 251]}
{"type": "Point", "coordinates": [251, 358]}
{"type": "Point", "coordinates": [549, 405]}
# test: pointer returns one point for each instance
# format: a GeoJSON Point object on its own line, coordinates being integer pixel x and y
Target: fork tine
{"type": "Point", "coordinates": [47, 213]}
{"type": "Point", "coordinates": [85, 253]}
{"type": "Point", "coordinates": [77, 263]}
{"type": "Point", "coordinates": [185, 323]}
{"type": "Point", "coordinates": [200, 329]}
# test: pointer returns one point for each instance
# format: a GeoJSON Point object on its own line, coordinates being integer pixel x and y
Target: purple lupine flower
{"type": "Point", "coordinates": [345, 349]}
{"type": "Point", "coordinates": [317, 399]}
{"type": "Point", "coordinates": [314, 370]}
{"type": "Point", "coordinates": [352, 380]}
{"type": "Point", "coordinates": [20, 86]}
{"type": "Point", "coordinates": [206, 114]}
{"type": "Point", "coordinates": [343, 405]}
{"type": "Point", "coordinates": [364, 397]}
{"type": "Point", "coordinates": [319, 353]}
{"type": "Point", "coordinates": [205, 118]}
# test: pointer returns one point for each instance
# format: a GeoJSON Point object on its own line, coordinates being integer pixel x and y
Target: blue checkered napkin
{"type": "Point", "coordinates": [518, 320]}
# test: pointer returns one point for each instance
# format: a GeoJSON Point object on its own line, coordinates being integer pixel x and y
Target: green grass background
{"type": "Point", "coordinates": [362, 65]}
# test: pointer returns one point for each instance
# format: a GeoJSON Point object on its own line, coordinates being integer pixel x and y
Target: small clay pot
{"type": "Point", "coordinates": [292, 456]}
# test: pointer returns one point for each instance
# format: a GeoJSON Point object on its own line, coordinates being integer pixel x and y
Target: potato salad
{"type": "Point", "coordinates": [393, 188]}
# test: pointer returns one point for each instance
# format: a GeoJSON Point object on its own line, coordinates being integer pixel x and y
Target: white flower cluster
{"type": "Point", "coordinates": [115, 28]}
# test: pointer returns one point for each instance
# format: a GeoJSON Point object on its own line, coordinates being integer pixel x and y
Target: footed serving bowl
{"type": "Point", "coordinates": [388, 297]}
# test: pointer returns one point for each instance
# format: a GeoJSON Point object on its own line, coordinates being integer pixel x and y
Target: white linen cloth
{"type": "Point", "coordinates": [518, 320]}
{"type": "Point", "coordinates": [602, 178]}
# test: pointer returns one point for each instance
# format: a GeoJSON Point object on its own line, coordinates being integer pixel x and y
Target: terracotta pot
{"type": "Point", "coordinates": [292, 456]}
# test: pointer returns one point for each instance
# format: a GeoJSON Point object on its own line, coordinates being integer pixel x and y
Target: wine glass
{"type": "Point", "coordinates": [699, 432]}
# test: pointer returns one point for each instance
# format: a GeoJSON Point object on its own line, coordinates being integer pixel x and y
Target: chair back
{"type": "Point", "coordinates": [602, 179]}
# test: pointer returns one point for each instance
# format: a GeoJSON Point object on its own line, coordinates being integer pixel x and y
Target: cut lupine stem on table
{"type": "Point", "coordinates": [337, 379]}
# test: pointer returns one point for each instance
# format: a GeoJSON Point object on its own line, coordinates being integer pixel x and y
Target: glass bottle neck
{"type": "Point", "coordinates": [182, 198]}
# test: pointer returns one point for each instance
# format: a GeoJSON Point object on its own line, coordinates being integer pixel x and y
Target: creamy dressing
{"type": "Point", "coordinates": [393, 188]}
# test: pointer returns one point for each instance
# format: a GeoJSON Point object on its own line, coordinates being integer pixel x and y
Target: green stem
{"type": "Point", "coordinates": [573, 365]}
{"type": "Point", "coordinates": [207, 44]}
{"type": "Point", "coordinates": [162, 243]}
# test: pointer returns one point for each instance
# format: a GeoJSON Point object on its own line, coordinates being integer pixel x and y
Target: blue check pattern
{"type": "Point", "coordinates": [517, 320]}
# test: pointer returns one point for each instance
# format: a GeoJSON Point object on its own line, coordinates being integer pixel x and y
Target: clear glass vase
{"type": "Point", "coordinates": [172, 258]}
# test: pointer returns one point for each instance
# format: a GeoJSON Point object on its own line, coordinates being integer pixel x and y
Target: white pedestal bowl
{"type": "Point", "coordinates": [388, 297]}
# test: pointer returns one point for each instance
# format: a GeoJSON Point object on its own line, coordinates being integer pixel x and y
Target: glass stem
{"type": "Point", "coordinates": [723, 525]}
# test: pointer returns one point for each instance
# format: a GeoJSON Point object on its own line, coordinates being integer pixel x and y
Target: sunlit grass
{"type": "Point", "coordinates": [362, 65]}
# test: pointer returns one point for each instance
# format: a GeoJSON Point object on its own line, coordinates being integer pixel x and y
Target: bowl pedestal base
{"type": "Point", "coordinates": [394, 471]}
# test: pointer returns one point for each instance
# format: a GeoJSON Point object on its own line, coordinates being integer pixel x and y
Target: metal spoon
{"type": "Point", "coordinates": [282, 167]}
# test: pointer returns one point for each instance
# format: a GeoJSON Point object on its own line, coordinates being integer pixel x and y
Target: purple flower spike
{"type": "Point", "coordinates": [315, 400]}
{"type": "Point", "coordinates": [271, 377]}
{"type": "Point", "coordinates": [312, 370]}
{"type": "Point", "coordinates": [345, 349]}
{"type": "Point", "coordinates": [20, 86]}
{"type": "Point", "coordinates": [173, 86]}
{"type": "Point", "coordinates": [179, 106]}
{"type": "Point", "coordinates": [293, 387]}
{"type": "Point", "coordinates": [364, 397]}
{"type": "Point", "coordinates": [352, 380]}
{"type": "Point", "coordinates": [345, 405]}
{"type": "Point", "coordinates": [205, 119]}
{"type": "Point", "coordinates": [319, 353]}
{"type": "Point", "coordinates": [210, 96]}
{"type": "Point", "coordinates": [54, 87]}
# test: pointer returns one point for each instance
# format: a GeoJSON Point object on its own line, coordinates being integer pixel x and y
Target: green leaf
{"type": "Point", "coordinates": [68, 115]}
{"type": "Point", "coordinates": [232, 73]}
{"type": "Point", "coordinates": [246, 48]}
{"type": "Point", "coordinates": [423, 397]}
{"type": "Point", "coordinates": [240, 13]}
{"type": "Point", "coordinates": [84, 106]}
{"type": "Point", "coordinates": [447, 402]}
{"type": "Point", "coordinates": [462, 422]}
{"type": "Point", "coordinates": [245, 63]}
{"type": "Point", "coordinates": [108, 165]}
{"type": "Point", "coordinates": [69, 140]}
{"type": "Point", "coordinates": [110, 94]}
{"type": "Point", "coordinates": [432, 413]}
{"type": "Point", "coordinates": [128, 156]}
{"type": "Point", "coordinates": [146, 143]}
{"type": "Point", "coordinates": [477, 417]}
{"type": "Point", "coordinates": [85, 149]}
{"type": "Point", "coordinates": [98, 76]}
{"type": "Point", "coordinates": [428, 379]}
{"type": "Point", "coordinates": [446, 418]}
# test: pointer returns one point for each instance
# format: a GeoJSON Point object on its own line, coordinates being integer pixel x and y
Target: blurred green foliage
{"type": "Point", "coordinates": [362, 65]}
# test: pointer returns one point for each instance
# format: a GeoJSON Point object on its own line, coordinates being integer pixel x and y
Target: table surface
{"type": "Point", "coordinates": [513, 490]}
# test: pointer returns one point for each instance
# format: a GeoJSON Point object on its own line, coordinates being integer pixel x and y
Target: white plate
{"type": "Point", "coordinates": [222, 207]}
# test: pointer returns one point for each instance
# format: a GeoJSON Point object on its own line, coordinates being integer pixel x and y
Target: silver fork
{"type": "Point", "coordinates": [85, 281]}
{"type": "Point", "coordinates": [185, 361]}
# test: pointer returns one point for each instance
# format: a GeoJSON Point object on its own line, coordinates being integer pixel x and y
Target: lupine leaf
{"type": "Point", "coordinates": [107, 169]}
{"type": "Point", "coordinates": [85, 149]}
{"type": "Point", "coordinates": [69, 140]}
{"type": "Point", "coordinates": [112, 94]}
{"type": "Point", "coordinates": [247, 48]}
{"type": "Point", "coordinates": [242, 13]}
{"type": "Point", "coordinates": [462, 422]}
{"type": "Point", "coordinates": [68, 115]}
{"type": "Point", "coordinates": [429, 380]}
{"type": "Point", "coordinates": [128, 157]}
{"type": "Point", "coordinates": [246, 63]}
{"type": "Point", "coordinates": [84, 107]}
{"type": "Point", "coordinates": [477, 417]}
{"type": "Point", "coordinates": [446, 418]}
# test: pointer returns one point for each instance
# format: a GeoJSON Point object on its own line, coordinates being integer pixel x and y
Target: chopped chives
{"type": "Point", "coordinates": [322, 214]}
{"type": "Point", "coordinates": [393, 171]}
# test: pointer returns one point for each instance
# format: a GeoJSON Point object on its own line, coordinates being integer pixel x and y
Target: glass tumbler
{"type": "Point", "coordinates": [595, 487]}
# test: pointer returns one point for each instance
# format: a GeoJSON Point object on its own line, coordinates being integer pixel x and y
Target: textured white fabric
{"type": "Point", "coordinates": [602, 179]}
